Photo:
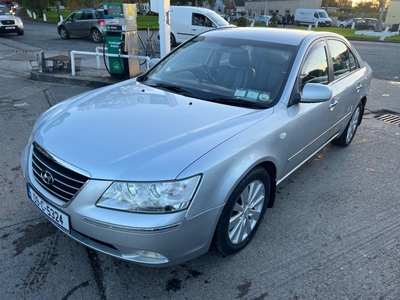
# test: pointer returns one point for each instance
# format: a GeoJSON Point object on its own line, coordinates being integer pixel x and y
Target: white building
{"type": "Point", "coordinates": [282, 7]}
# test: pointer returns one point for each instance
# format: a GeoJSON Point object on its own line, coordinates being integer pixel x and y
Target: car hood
{"type": "Point", "coordinates": [8, 17]}
{"type": "Point", "coordinates": [130, 131]}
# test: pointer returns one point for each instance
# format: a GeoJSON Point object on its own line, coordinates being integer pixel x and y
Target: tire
{"type": "Point", "coordinates": [96, 36]}
{"type": "Point", "coordinates": [63, 32]}
{"type": "Point", "coordinates": [341, 26]}
{"type": "Point", "coordinates": [243, 212]}
{"type": "Point", "coordinates": [298, 23]}
{"type": "Point", "coordinates": [21, 32]}
{"type": "Point", "coordinates": [348, 134]}
{"type": "Point", "coordinates": [371, 28]}
{"type": "Point", "coordinates": [348, 26]}
{"type": "Point", "coordinates": [172, 40]}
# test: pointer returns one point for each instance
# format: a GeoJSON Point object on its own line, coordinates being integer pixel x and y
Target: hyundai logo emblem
{"type": "Point", "coordinates": [47, 177]}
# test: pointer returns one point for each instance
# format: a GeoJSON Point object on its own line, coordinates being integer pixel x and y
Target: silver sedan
{"type": "Point", "coordinates": [158, 168]}
{"type": "Point", "coordinates": [264, 20]}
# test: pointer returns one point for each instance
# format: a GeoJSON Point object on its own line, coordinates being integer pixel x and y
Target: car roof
{"type": "Point", "coordinates": [274, 35]}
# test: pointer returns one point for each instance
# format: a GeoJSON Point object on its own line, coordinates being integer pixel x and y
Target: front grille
{"type": "Point", "coordinates": [8, 22]}
{"type": "Point", "coordinates": [65, 183]}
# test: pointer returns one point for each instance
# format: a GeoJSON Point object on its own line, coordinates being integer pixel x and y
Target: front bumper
{"type": "Point", "coordinates": [147, 239]}
{"type": "Point", "coordinates": [11, 29]}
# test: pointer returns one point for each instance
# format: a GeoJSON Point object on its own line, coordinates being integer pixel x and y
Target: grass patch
{"type": "Point", "coordinates": [350, 34]}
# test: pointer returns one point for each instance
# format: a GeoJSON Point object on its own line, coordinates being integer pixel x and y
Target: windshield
{"type": "Point", "coordinates": [217, 19]}
{"type": "Point", "coordinates": [323, 14]}
{"type": "Point", "coordinates": [3, 11]}
{"type": "Point", "coordinates": [225, 70]}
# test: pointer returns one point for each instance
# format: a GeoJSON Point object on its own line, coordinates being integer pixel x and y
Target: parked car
{"type": "Point", "coordinates": [86, 22]}
{"type": "Point", "coordinates": [263, 19]}
{"type": "Point", "coordinates": [235, 15]}
{"type": "Point", "coordinates": [10, 23]}
{"type": "Point", "coordinates": [156, 169]}
{"type": "Point", "coordinates": [348, 23]}
{"type": "Point", "coordinates": [367, 24]}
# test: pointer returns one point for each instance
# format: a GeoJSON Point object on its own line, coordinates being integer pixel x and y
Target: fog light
{"type": "Point", "coordinates": [150, 255]}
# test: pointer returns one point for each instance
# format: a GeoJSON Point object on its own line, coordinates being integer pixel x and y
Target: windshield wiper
{"type": "Point", "coordinates": [237, 102]}
{"type": "Point", "coordinates": [173, 88]}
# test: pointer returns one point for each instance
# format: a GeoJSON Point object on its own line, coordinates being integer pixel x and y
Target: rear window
{"type": "Point", "coordinates": [99, 14]}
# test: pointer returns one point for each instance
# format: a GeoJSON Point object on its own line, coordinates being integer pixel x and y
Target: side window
{"type": "Point", "coordinates": [77, 15]}
{"type": "Point", "coordinates": [198, 20]}
{"type": "Point", "coordinates": [343, 60]}
{"type": "Point", "coordinates": [87, 15]}
{"type": "Point", "coordinates": [315, 67]}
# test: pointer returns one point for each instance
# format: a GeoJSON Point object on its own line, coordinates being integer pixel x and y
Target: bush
{"type": "Point", "coordinates": [242, 21]}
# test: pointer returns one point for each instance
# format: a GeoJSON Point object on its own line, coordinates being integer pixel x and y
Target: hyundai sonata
{"type": "Point", "coordinates": [158, 168]}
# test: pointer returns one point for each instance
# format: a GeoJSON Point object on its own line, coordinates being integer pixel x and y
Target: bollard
{"type": "Point", "coordinates": [39, 63]}
{"type": "Point", "coordinates": [309, 27]}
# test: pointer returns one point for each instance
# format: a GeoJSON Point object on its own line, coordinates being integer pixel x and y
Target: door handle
{"type": "Point", "coordinates": [333, 104]}
{"type": "Point", "coordinates": [359, 86]}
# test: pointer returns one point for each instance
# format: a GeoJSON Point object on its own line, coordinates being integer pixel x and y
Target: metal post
{"type": "Point", "coordinates": [265, 8]}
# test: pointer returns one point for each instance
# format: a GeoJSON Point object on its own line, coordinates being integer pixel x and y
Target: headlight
{"type": "Point", "coordinates": [150, 197]}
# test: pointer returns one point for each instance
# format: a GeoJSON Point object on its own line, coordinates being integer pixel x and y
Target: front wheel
{"type": "Point", "coordinates": [243, 212]}
{"type": "Point", "coordinates": [63, 33]}
{"type": "Point", "coordinates": [348, 134]}
{"type": "Point", "coordinates": [21, 32]}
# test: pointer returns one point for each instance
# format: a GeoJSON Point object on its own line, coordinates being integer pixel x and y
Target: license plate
{"type": "Point", "coordinates": [55, 215]}
{"type": "Point", "coordinates": [10, 27]}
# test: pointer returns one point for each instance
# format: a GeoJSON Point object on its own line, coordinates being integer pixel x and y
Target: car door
{"type": "Point", "coordinates": [361, 24]}
{"type": "Point", "coordinates": [72, 23]}
{"type": "Point", "coordinates": [348, 80]}
{"type": "Point", "coordinates": [200, 28]}
{"type": "Point", "coordinates": [311, 123]}
{"type": "Point", "coordinates": [85, 23]}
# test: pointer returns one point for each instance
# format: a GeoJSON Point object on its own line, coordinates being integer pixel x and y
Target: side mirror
{"type": "Point", "coordinates": [153, 62]}
{"type": "Point", "coordinates": [315, 93]}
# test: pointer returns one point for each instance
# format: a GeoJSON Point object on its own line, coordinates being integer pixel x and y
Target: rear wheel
{"type": "Point", "coordinates": [348, 134]}
{"type": "Point", "coordinates": [172, 40]}
{"type": "Point", "coordinates": [243, 212]}
{"type": "Point", "coordinates": [63, 33]}
{"type": "Point", "coordinates": [96, 36]}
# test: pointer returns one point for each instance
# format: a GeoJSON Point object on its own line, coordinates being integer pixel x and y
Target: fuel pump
{"type": "Point", "coordinates": [121, 38]}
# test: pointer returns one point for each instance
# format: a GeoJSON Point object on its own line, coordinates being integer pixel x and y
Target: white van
{"type": "Point", "coordinates": [188, 21]}
{"type": "Point", "coordinates": [307, 16]}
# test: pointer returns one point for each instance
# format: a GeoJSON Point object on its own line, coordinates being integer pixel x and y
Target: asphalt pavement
{"type": "Point", "coordinates": [332, 234]}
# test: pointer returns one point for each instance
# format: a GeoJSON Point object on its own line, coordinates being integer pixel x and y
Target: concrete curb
{"type": "Point", "coordinates": [82, 80]}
